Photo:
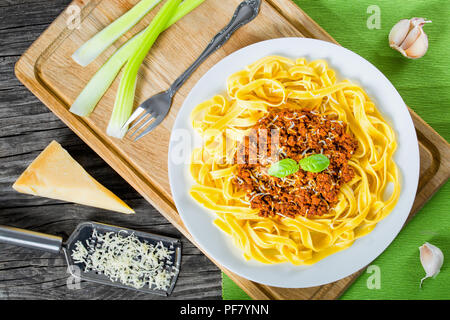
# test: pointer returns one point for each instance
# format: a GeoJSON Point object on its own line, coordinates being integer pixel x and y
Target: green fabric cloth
{"type": "Point", "coordinates": [424, 85]}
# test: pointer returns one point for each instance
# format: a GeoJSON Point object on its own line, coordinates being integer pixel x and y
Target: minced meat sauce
{"type": "Point", "coordinates": [294, 134]}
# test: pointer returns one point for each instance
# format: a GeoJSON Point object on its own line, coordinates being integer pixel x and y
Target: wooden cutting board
{"type": "Point", "coordinates": [48, 71]}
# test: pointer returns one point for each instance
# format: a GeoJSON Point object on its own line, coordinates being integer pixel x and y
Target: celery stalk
{"type": "Point", "coordinates": [125, 94]}
{"type": "Point", "coordinates": [102, 40]}
{"type": "Point", "coordinates": [183, 9]}
{"type": "Point", "coordinates": [103, 78]}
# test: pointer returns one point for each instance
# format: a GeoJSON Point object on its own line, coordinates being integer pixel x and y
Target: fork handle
{"type": "Point", "coordinates": [245, 12]}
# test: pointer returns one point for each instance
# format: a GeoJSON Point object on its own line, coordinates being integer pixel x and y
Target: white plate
{"type": "Point", "coordinates": [217, 244]}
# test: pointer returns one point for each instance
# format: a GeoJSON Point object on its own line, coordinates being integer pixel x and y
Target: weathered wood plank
{"type": "Point", "coordinates": [21, 13]}
{"type": "Point", "coordinates": [25, 273]}
{"type": "Point", "coordinates": [23, 21]}
{"type": "Point", "coordinates": [26, 127]}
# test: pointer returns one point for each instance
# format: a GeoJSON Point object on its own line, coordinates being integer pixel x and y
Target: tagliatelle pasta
{"type": "Point", "coordinates": [223, 122]}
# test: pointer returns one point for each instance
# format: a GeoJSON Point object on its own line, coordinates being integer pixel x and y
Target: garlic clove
{"type": "Point", "coordinates": [399, 32]}
{"type": "Point", "coordinates": [412, 36]}
{"type": "Point", "coordinates": [418, 22]}
{"type": "Point", "coordinates": [408, 37]}
{"type": "Point", "coordinates": [432, 259]}
{"type": "Point", "coordinates": [418, 48]}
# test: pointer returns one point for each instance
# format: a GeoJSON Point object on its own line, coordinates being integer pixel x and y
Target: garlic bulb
{"type": "Point", "coordinates": [432, 259]}
{"type": "Point", "coordinates": [408, 38]}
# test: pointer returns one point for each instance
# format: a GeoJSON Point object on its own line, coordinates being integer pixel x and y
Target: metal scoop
{"type": "Point", "coordinates": [83, 232]}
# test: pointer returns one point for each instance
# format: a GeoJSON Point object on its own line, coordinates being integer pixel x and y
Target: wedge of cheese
{"type": "Point", "coordinates": [55, 174]}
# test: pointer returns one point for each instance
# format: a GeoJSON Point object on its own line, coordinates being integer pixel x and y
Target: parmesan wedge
{"type": "Point", "coordinates": [55, 174]}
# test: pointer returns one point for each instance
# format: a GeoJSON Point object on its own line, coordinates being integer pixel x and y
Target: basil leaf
{"type": "Point", "coordinates": [315, 163]}
{"type": "Point", "coordinates": [283, 168]}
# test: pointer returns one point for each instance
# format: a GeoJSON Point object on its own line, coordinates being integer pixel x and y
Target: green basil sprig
{"type": "Point", "coordinates": [283, 168]}
{"type": "Point", "coordinates": [314, 163]}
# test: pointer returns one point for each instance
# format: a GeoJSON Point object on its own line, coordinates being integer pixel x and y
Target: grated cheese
{"type": "Point", "coordinates": [124, 258]}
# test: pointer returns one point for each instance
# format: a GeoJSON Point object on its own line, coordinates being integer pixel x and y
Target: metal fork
{"type": "Point", "coordinates": [153, 110]}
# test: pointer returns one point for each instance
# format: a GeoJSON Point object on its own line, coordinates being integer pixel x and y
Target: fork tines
{"type": "Point", "coordinates": [143, 118]}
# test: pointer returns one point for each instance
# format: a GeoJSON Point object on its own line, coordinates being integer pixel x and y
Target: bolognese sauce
{"type": "Point", "coordinates": [294, 134]}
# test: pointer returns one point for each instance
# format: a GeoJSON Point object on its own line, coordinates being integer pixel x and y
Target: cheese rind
{"type": "Point", "coordinates": [55, 174]}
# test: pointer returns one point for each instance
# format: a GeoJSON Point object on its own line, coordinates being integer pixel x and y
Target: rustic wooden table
{"type": "Point", "coordinates": [26, 128]}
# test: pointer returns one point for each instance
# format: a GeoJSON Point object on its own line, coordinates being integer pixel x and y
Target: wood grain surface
{"type": "Point", "coordinates": [26, 127]}
{"type": "Point", "coordinates": [47, 70]}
